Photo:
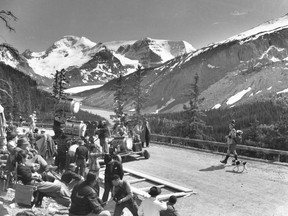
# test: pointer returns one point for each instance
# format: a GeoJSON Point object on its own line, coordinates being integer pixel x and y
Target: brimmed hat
{"type": "Point", "coordinates": [154, 191]}
{"type": "Point", "coordinates": [23, 141]}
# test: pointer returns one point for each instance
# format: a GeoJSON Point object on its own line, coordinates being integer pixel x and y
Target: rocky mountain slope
{"type": "Point", "coordinates": [87, 62]}
{"type": "Point", "coordinates": [247, 67]}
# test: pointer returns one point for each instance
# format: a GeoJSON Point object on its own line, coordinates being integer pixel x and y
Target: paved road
{"type": "Point", "coordinates": [263, 190]}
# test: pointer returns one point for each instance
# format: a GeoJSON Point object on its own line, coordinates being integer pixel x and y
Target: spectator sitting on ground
{"type": "Point", "coordinates": [12, 139]}
{"type": "Point", "coordinates": [45, 184]}
{"type": "Point", "coordinates": [69, 177]}
{"type": "Point", "coordinates": [33, 157]}
{"type": "Point", "coordinates": [170, 211]}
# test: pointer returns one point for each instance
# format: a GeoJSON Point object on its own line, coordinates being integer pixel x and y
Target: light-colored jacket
{"type": "Point", "coordinates": [231, 137]}
{"type": "Point", "coordinates": [151, 207]}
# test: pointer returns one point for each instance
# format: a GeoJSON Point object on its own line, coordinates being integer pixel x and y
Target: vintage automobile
{"type": "Point", "coordinates": [121, 147]}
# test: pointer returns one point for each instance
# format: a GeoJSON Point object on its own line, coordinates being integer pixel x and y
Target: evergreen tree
{"type": "Point", "coordinates": [56, 84]}
{"type": "Point", "coordinates": [6, 16]}
{"type": "Point", "coordinates": [193, 123]}
{"type": "Point", "coordinates": [120, 96]}
{"type": "Point", "coordinates": [139, 97]}
{"type": "Point", "coordinates": [59, 84]}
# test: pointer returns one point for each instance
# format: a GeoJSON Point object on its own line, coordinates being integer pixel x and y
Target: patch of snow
{"type": "Point", "coordinates": [274, 59]}
{"type": "Point", "coordinates": [283, 91]}
{"type": "Point", "coordinates": [270, 48]}
{"type": "Point", "coordinates": [211, 66]}
{"type": "Point", "coordinates": [258, 64]}
{"type": "Point", "coordinates": [127, 62]}
{"type": "Point", "coordinates": [188, 47]}
{"type": "Point", "coordinates": [267, 27]}
{"type": "Point", "coordinates": [167, 103]}
{"type": "Point", "coordinates": [78, 89]}
{"type": "Point", "coordinates": [37, 54]}
{"type": "Point", "coordinates": [85, 41]}
{"type": "Point", "coordinates": [252, 34]}
{"type": "Point", "coordinates": [258, 92]}
{"type": "Point", "coordinates": [237, 96]}
{"type": "Point", "coordinates": [56, 60]}
{"type": "Point", "coordinates": [8, 59]}
{"type": "Point", "coordinates": [251, 94]}
{"type": "Point", "coordinates": [269, 88]}
{"type": "Point", "coordinates": [114, 45]}
{"type": "Point", "coordinates": [217, 106]}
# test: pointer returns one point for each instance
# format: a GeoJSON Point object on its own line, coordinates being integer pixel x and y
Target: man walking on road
{"type": "Point", "coordinates": [231, 142]}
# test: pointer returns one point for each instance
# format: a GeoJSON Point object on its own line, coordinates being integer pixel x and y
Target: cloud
{"type": "Point", "coordinates": [238, 13]}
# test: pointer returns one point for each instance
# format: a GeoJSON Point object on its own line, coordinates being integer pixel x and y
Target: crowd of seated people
{"type": "Point", "coordinates": [78, 185]}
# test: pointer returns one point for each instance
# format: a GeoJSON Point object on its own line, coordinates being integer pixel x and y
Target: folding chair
{"type": "Point", "coordinates": [23, 193]}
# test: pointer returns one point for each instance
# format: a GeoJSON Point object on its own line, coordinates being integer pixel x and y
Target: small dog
{"type": "Point", "coordinates": [238, 163]}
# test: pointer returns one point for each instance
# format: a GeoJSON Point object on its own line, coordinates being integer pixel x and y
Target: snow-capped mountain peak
{"type": "Point", "coordinates": [267, 27]}
{"type": "Point", "coordinates": [97, 63]}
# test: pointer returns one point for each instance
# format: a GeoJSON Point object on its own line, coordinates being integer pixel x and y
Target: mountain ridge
{"type": "Point", "coordinates": [226, 70]}
{"type": "Point", "coordinates": [87, 62]}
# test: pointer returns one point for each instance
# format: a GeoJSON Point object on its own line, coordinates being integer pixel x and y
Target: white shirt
{"type": "Point", "coordinates": [72, 148]}
{"type": "Point", "coordinates": [151, 207]}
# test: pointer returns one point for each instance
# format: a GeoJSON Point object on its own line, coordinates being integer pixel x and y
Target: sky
{"type": "Point", "coordinates": [199, 22]}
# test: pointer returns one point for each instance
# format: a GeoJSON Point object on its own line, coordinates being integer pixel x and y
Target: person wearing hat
{"type": "Point", "coordinates": [46, 184]}
{"type": "Point", "coordinates": [95, 152]}
{"type": "Point", "coordinates": [170, 211]}
{"type": "Point", "coordinates": [84, 199]}
{"type": "Point", "coordinates": [152, 206]}
{"type": "Point", "coordinates": [146, 133]}
{"type": "Point", "coordinates": [123, 196]}
{"type": "Point", "coordinates": [12, 142]}
{"type": "Point", "coordinates": [112, 167]}
{"type": "Point", "coordinates": [11, 147]}
{"type": "Point", "coordinates": [69, 175]}
{"type": "Point", "coordinates": [33, 157]}
{"type": "Point", "coordinates": [103, 133]}
{"type": "Point", "coordinates": [62, 149]}
{"type": "Point", "coordinates": [231, 142]}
